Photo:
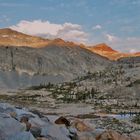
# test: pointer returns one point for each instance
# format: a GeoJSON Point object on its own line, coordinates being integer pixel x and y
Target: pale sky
{"type": "Point", "coordinates": [115, 22]}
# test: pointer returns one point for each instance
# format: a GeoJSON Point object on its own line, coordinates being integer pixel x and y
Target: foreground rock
{"type": "Point", "coordinates": [111, 135]}
{"type": "Point", "coordinates": [81, 126]}
{"type": "Point", "coordinates": [63, 120]}
{"type": "Point", "coordinates": [20, 124]}
{"type": "Point", "coordinates": [9, 126]}
{"type": "Point", "coordinates": [22, 136]}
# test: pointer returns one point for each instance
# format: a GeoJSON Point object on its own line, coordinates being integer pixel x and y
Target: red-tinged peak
{"type": "Point", "coordinates": [103, 47]}
{"type": "Point", "coordinates": [106, 51]}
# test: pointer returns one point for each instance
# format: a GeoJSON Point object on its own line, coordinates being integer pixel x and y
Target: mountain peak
{"type": "Point", "coordinates": [106, 51]}
{"type": "Point", "coordinates": [103, 47]}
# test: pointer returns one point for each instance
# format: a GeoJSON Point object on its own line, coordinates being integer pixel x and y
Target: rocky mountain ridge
{"type": "Point", "coordinates": [9, 37]}
{"type": "Point", "coordinates": [28, 60]}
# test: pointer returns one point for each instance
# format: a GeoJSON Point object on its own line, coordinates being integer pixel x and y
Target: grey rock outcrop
{"type": "Point", "coordinates": [24, 66]}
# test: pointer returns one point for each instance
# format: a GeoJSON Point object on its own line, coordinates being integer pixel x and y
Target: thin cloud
{"type": "Point", "coordinates": [13, 4]}
{"type": "Point", "coordinates": [97, 27]}
{"type": "Point", "coordinates": [4, 18]}
{"type": "Point", "coordinates": [129, 29]}
{"type": "Point", "coordinates": [111, 38]}
{"type": "Point", "coordinates": [135, 2]}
